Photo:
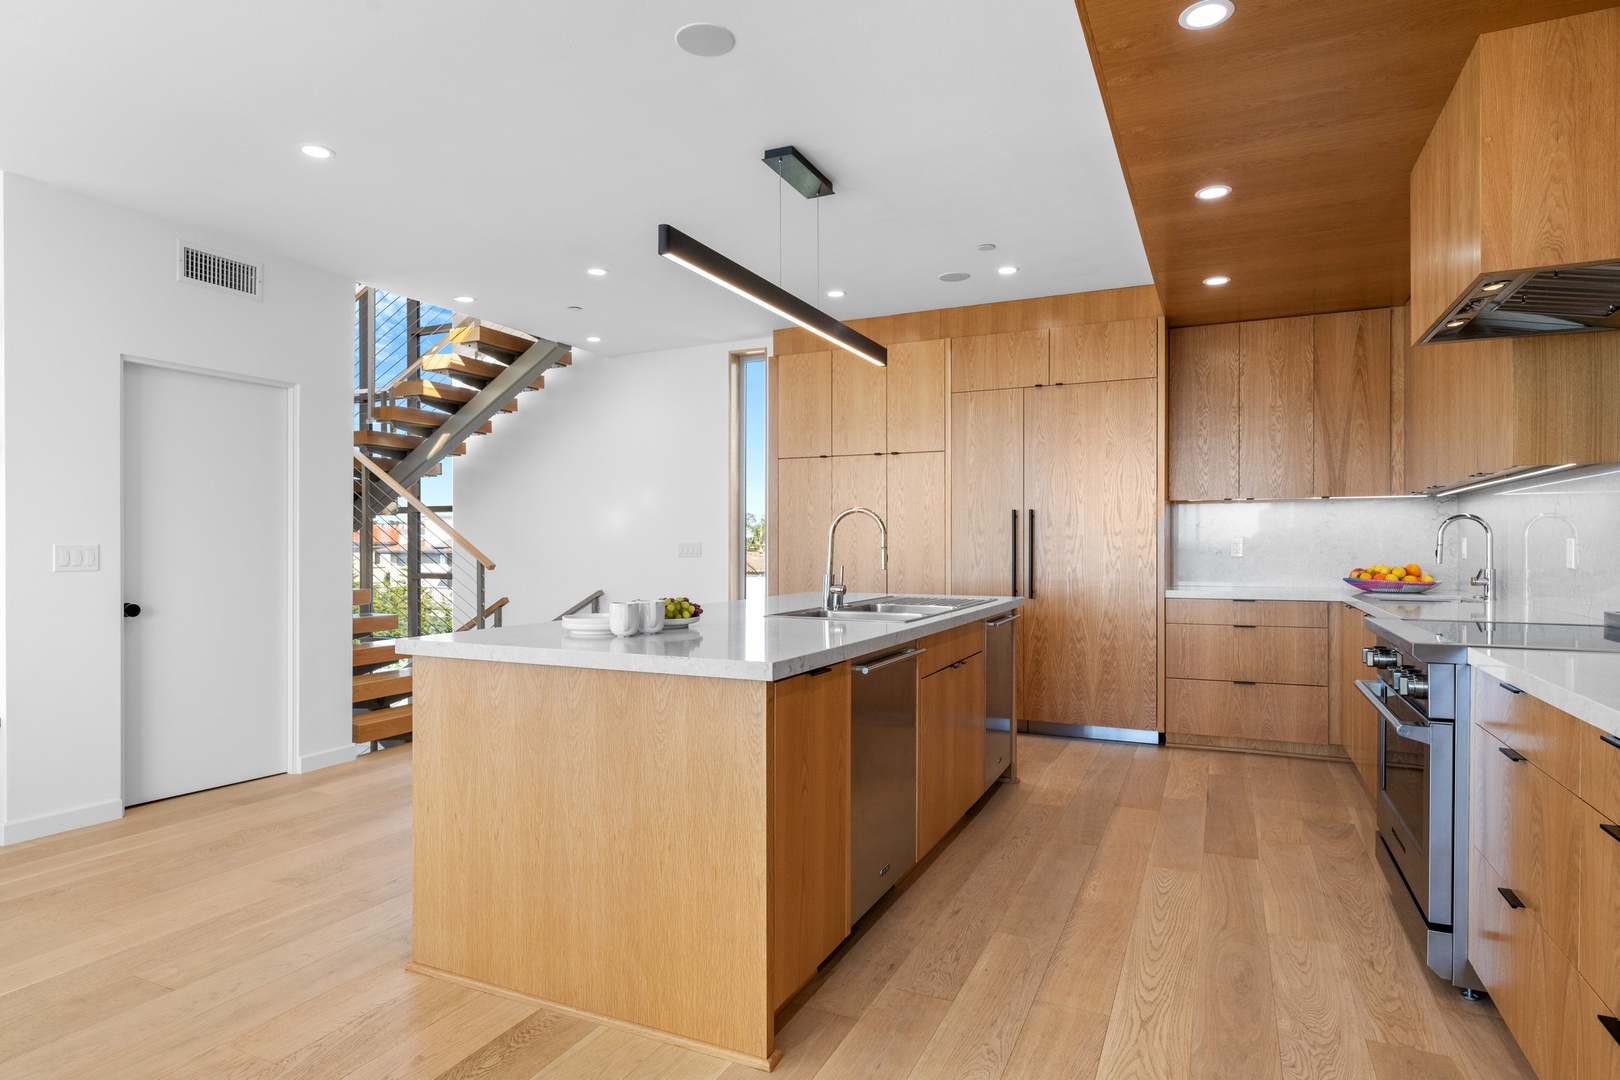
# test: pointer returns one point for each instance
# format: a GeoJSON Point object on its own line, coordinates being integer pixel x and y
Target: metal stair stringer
{"type": "Point", "coordinates": [535, 361]}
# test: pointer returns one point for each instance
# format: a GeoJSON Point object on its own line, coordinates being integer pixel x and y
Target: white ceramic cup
{"type": "Point", "coordinates": [624, 619]}
{"type": "Point", "coordinates": [652, 616]}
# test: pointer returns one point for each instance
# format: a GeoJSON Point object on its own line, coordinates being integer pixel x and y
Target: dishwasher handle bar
{"type": "Point", "coordinates": [1371, 691]}
{"type": "Point", "coordinates": [1004, 620]}
{"type": "Point", "coordinates": [885, 661]}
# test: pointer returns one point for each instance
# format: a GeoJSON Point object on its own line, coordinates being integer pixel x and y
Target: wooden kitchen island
{"type": "Point", "coordinates": [651, 832]}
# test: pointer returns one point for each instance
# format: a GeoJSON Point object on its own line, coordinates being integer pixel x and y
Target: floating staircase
{"type": "Point", "coordinates": [413, 411]}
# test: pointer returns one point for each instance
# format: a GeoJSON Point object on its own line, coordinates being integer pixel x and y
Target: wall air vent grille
{"type": "Point", "coordinates": [202, 267]}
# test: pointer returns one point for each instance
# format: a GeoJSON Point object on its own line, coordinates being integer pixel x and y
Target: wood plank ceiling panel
{"type": "Point", "coordinates": [1314, 113]}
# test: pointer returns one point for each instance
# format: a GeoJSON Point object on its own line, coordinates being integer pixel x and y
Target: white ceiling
{"type": "Point", "coordinates": [499, 149]}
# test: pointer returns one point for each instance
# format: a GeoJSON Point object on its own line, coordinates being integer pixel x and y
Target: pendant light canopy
{"type": "Point", "coordinates": [701, 259]}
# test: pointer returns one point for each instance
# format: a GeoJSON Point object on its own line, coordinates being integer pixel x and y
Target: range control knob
{"type": "Point", "coordinates": [1410, 682]}
{"type": "Point", "coordinates": [1377, 656]}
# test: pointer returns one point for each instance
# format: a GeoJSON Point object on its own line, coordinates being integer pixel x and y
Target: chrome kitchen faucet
{"type": "Point", "coordinates": [832, 597]}
{"type": "Point", "coordinates": [1487, 576]}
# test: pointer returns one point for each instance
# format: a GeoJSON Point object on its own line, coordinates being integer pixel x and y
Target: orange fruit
{"type": "Point", "coordinates": [1414, 569]}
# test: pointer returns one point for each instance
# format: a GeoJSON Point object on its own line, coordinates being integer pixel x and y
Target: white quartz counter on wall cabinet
{"type": "Point", "coordinates": [1585, 685]}
{"type": "Point", "coordinates": [735, 640]}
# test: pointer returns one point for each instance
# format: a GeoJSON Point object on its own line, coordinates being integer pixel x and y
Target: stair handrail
{"type": "Point", "coordinates": [592, 601]}
{"type": "Point", "coordinates": [477, 621]}
{"type": "Point", "coordinates": [400, 490]}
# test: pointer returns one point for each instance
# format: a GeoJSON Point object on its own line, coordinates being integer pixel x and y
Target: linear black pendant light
{"type": "Point", "coordinates": [676, 246]}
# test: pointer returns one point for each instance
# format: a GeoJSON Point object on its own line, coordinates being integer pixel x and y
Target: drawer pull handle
{"type": "Point", "coordinates": [1243, 626]}
{"type": "Point", "coordinates": [1510, 753]}
{"type": "Point", "coordinates": [1242, 682]}
{"type": "Point", "coordinates": [1610, 1024]}
{"type": "Point", "coordinates": [1611, 740]}
{"type": "Point", "coordinates": [1612, 830]}
{"type": "Point", "coordinates": [1510, 689]}
{"type": "Point", "coordinates": [1512, 898]}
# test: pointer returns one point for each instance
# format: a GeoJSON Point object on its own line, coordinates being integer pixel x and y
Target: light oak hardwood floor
{"type": "Point", "coordinates": [1123, 912]}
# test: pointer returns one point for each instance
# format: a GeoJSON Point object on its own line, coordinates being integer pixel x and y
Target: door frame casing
{"type": "Point", "coordinates": [291, 394]}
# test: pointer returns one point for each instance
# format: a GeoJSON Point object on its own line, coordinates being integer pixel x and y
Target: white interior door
{"type": "Point", "coordinates": [205, 558]}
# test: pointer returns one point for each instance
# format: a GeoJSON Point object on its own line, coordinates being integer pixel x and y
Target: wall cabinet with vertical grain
{"type": "Point", "coordinates": [859, 405]}
{"type": "Point", "coordinates": [1000, 361]}
{"type": "Point", "coordinates": [859, 481]}
{"type": "Point", "coordinates": [1277, 441]}
{"type": "Point", "coordinates": [803, 414]}
{"type": "Point", "coordinates": [917, 409]}
{"type": "Point", "coordinates": [1353, 405]}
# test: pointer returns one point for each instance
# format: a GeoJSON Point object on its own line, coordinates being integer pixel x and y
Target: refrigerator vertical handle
{"type": "Point", "coordinates": [1014, 554]}
{"type": "Point", "coordinates": [1031, 560]}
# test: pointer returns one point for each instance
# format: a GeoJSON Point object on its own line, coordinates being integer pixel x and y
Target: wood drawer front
{"type": "Point", "coordinates": [1599, 930]}
{"type": "Point", "coordinates": [948, 646]}
{"type": "Point", "coordinates": [1600, 770]}
{"type": "Point", "coordinates": [1249, 612]}
{"type": "Point", "coordinates": [1275, 654]}
{"type": "Point", "coordinates": [1274, 711]}
{"type": "Point", "coordinates": [1549, 737]}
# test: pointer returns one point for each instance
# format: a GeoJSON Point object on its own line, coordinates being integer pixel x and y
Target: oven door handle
{"type": "Point", "coordinates": [1370, 691]}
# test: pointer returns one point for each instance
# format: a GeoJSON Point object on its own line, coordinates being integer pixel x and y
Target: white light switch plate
{"type": "Point", "coordinates": [75, 558]}
{"type": "Point", "coordinates": [688, 549]}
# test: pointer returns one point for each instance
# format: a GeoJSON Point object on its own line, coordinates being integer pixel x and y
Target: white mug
{"type": "Point", "coordinates": [652, 616]}
{"type": "Point", "coordinates": [624, 619]}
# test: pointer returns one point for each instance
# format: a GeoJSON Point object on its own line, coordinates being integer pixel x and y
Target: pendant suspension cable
{"type": "Point", "coordinates": [778, 223]}
{"type": "Point", "coordinates": [818, 251]}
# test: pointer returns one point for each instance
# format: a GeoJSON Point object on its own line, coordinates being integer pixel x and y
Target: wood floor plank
{"type": "Point", "coordinates": [1150, 771]}
{"type": "Point", "coordinates": [1150, 1027]}
{"type": "Point", "coordinates": [889, 1039]}
{"type": "Point", "coordinates": [1188, 777]}
{"type": "Point", "coordinates": [604, 1054]}
{"type": "Point", "coordinates": [1317, 781]}
{"type": "Point", "coordinates": [1317, 1017]}
{"type": "Point", "coordinates": [1235, 1030]}
{"type": "Point", "coordinates": [806, 1043]}
{"type": "Point", "coordinates": [1229, 819]}
{"type": "Point", "coordinates": [1404, 1063]}
{"type": "Point", "coordinates": [523, 1049]}
{"type": "Point", "coordinates": [1296, 905]}
{"type": "Point", "coordinates": [1065, 774]}
{"type": "Point", "coordinates": [978, 1033]}
{"type": "Point", "coordinates": [1057, 1042]}
{"type": "Point", "coordinates": [1178, 842]}
{"type": "Point", "coordinates": [1482, 1046]}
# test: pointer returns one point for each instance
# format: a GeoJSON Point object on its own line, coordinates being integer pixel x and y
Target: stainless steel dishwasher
{"type": "Point", "coordinates": [999, 677]}
{"type": "Point", "coordinates": [883, 775]}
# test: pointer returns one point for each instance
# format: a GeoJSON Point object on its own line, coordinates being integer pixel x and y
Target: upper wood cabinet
{"type": "Point", "coordinates": [859, 481]}
{"type": "Point", "coordinates": [1522, 166]}
{"type": "Point", "coordinates": [796, 533]}
{"type": "Point", "coordinates": [1000, 361]}
{"type": "Point", "coordinates": [859, 405]}
{"type": "Point", "coordinates": [916, 397]}
{"type": "Point", "coordinates": [916, 518]}
{"type": "Point", "coordinates": [1283, 408]}
{"type": "Point", "coordinates": [1100, 352]}
{"type": "Point", "coordinates": [803, 405]}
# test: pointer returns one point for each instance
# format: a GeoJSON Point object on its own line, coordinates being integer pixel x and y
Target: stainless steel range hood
{"type": "Point", "coordinates": [1526, 303]}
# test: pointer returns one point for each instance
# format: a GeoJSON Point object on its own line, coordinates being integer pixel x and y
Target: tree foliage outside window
{"type": "Point", "coordinates": [389, 595]}
{"type": "Point", "coordinates": [755, 534]}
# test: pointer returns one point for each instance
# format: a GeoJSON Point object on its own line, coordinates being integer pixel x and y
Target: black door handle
{"type": "Point", "coordinates": [1014, 553]}
{"type": "Point", "coordinates": [1512, 898]}
{"type": "Point", "coordinates": [1510, 753]}
{"type": "Point", "coordinates": [131, 610]}
{"type": "Point", "coordinates": [1031, 559]}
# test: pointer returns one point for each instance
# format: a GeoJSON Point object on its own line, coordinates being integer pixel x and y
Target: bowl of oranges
{"type": "Point", "coordinates": [1386, 577]}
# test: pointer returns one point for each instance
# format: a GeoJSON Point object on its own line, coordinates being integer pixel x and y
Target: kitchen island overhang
{"type": "Point", "coordinates": [593, 826]}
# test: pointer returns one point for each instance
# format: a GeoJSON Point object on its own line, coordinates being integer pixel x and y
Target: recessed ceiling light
{"type": "Point", "coordinates": [987, 247]}
{"type": "Point", "coordinates": [593, 340]}
{"type": "Point", "coordinates": [1007, 270]}
{"type": "Point", "coordinates": [462, 299]}
{"type": "Point", "coordinates": [1218, 279]}
{"type": "Point", "coordinates": [956, 276]}
{"type": "Point", "coordinates": [1213, 191]}
{"type": "Point", "coordinates": [1206, 13]}
{"type": "Point", "coordinates": [596, 271]}
{"type": "Point", "coordinates": [835, 293]}
{"type": "Point", "coordinates": [317, 151]}
{"type": "Point", "coordinates": [705, 39]}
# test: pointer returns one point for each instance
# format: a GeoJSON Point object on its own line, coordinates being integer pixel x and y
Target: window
{"type": "Point", "coordinates": [748, 498]}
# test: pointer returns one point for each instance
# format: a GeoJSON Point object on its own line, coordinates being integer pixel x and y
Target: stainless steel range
{"type": "Point", "coordinates": [1421, 692]}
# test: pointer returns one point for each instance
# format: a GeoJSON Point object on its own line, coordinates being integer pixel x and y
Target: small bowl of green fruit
{"type": "Point", "coordinates": [679, 612]}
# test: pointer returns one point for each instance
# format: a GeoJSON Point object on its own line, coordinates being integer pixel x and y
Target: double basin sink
{"type": "Point", "coordinates": [886, 609]}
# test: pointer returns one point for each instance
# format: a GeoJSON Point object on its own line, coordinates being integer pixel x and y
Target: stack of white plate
{"type": "Point", "coordinates": [588, 625]}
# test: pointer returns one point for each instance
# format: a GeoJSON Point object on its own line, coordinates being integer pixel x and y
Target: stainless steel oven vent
{"type": "Point", "coordinates": [203, 267]}
{"type": "Point", "coordinates": [1524, 303]}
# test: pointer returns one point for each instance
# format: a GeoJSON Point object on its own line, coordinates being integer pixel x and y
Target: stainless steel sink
{"type": "Point", "coordinates": [886, 609]}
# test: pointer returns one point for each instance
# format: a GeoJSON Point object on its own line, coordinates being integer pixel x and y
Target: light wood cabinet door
{"type": "Point", "coordinates": [1352, 372]}
{"type": "Point", "coordinates": [999, 361]}
{"type": "Point", "coordinates": [1358, 720]}
{"type": "Point", "coordinates": [796, 539]}
{"type": "Point", "coordinates": [936, 759]}
{"type": "Point", "coordinates": [916, 397]}
{"type": "Point", "coordinates": [1102, 352]}
{"type": "Point", "coordinates": [1508, 958]}
{"type": "Point", "coordinates": [1278, 440]}
{"type": "Point", "coordinates": [967, 761]}
{"type": "Point", "coordinates": [1089, 646]}
{"type": "Point", "coordinates": [987, 491]}
{"type": "Point", "coordinates": [859, 481]}
{"type": "Point", "coordinates": [1246, 710]}
{"type": "Point", "coordinates": [1599, 929]}
{"type": "Point", "coordinates": [803, 404]}
{"type": "Point", "coordinates": [809, 826]}
{"type": "Point", "coordinates": [859, 405]}
{"type": "Point", "coordinates": [1205, 366]}
{"type": "Point", "coordinates": [916, 519]}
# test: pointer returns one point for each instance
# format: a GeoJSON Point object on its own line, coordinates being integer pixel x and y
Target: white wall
{"type": "Point", "coordinates": [86, 285]}
{"type": "Point", "coordinates": [596, 478]}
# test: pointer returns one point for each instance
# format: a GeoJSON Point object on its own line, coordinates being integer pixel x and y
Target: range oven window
{"type": "Point", "coordinates": [1406, 782]}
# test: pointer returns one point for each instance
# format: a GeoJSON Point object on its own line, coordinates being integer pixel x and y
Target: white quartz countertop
{"type": "Point", "coordinates": [1586, 685]}
{"type": "Point", "coordinates": [734, 640]}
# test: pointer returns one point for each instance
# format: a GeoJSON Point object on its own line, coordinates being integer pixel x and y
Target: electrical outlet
{"type": "Point", "coordinates": [1237, 547]}
{"type": "Point", "coordinates": [1571, 557]}
{"type": "Point", "coordinates": [75, 558]}
{"type": "Point", "coordinates": [688, 549]}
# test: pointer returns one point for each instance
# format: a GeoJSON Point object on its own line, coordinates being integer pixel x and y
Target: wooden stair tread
{"type": "Point", "coordinates": [565, 360]}
{"type": "Point", "coordinates": [371, 624]}
{"type": "Point", "coordinates": [463, 366]}
{"type": "Point", "coordinates": [381, 723]}
{"type": "Point", "coordinates": [428, 390]}
{"type": "Point", "coordinates": [427, 420]}
{"type": "Point", "coordinates": [362, 596]}
{"type": "Point", "coordinates": [393, 440]}
{"type": "Point", "coordinates": [381, 684]}
{"type": "Point", "coordinates": [499, 340]}
{"type": "Point", "coordinates": [371, 653]}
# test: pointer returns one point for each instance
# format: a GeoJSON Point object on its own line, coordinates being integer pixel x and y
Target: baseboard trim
{"type": "Point", "coordinates": [1090, 731]}
{"type": "Point", "coordinates": [765, 1064]}
{"type": "Point", "coordinates": [338, 755]}
{"type": "Point", "coordinates": [18, 832]}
